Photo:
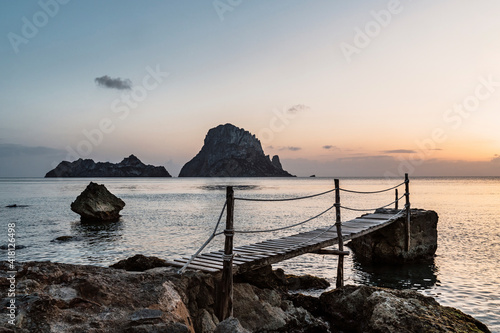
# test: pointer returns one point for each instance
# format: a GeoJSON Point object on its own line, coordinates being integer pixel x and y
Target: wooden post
{"type": "Point", "coordinates": [408, 213]}
{"type": "Point", "coordinates": [225, 294]}
{"type": "Point", "coordinates": [397, 201]}
{"type": "Point", "coordinates": [338, 224]}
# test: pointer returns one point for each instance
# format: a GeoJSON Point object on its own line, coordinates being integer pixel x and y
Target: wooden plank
{"type": "Point", "coordinates": [263, 250]}
{"type": "Point", "coordinates": [192, 266]}
{"type": "Point", "coordinates": [377, 216]}
{"type": "Point", "coordinates": [199, 263]}
{"type": "Point", "coordinates": [213, 261]}
{"type": "Point", "coordinates": [237, 259]}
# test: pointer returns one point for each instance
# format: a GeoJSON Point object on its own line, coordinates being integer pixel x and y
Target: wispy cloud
{"type": "Point", "coordinates": [118, 83]}
{"type": "Point", "coordinates": [399, 151]}
{"type": "Point", "coordinates": [330, 147]}
{"type": "Point", "coordinates": [298, 108]}
{"type": "Point", "coordinates": [291, 148]}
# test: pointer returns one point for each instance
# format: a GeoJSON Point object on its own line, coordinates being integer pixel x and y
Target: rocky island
{"type": "Point", "coordinates": [230, 151]}
{"type": "Point", "coordinates": [130, 167]}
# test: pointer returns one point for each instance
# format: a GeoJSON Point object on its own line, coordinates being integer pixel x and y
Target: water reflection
{"type": "Point", "coordinates": [409, 276]}
{"type": "Point", "coordinates": [223, 187]}
{"type": "Point", "coordinates": [98, 232]}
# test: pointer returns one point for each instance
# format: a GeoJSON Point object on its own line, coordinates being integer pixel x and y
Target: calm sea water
{"type": "Point", "coordinates": [173, 217]}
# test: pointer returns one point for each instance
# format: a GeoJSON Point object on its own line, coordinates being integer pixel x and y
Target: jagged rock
{"type": "Point", "coordinates": [96, 203]}
{"type": "Point", "coordinates": [229, 151]}
{"type": "Point", "coordinates": [387, 245]}
{"type": "Point", "coordinates": [379, 310]}
{"type": "Point", "coordinates": [230, 325]}
{"type": "Point", "coordinates": [276, 162]}
{"type": "Point", "coordinates": [139, 263]}
{"type": "Point", "coordinates": [304, 282]}
{"type": "Point", "coordinates": [52, 297]}
{"type": "Point", "coordinates": [130, 167]}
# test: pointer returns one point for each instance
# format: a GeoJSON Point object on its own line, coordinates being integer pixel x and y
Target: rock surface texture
{"type": "Point", "coordinates": [379, 310]}
{"type": "Point", "coordinates": [229, 151]}
{"type": "Point", "coordinates": [387, 245]}
{"type": "Point", "coordinates": [96, 203]}
{"type": "Point", "coordinates": [53, 297]}
{"type": "Point", "coordinates": [130, 167]}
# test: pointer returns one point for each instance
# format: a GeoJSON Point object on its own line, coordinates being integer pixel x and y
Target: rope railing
{"type": "Point", "coordinates": [212, 236]}
{"type": "Point", "coordinates": [372, 192]}
{"type": "Point", "coordinates": [285, 199]}
{"type": "Point", "coordinates": [373, 209]}
{"type": "Point", "coordinates": [285, 227]}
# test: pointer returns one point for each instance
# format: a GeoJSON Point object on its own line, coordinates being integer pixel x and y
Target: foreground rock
{"type": "Point", "coordinates": [229, 151]}
{"type": "Point", "coordinates": [379, 310]}
{"type": "Point", "coordinates": [129, 167]}
{"type": "Point", "coordinates": [53, 297]}
{"type": "Point", "coordinates": [387, 245]}
{"type": "Point", "coordinates": [96, 203]}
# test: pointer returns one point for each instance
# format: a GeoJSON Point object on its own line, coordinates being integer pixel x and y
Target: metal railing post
{"type": "Point", "coordinates": [225, 294]}
{"type": "Point", "coordinates": [338, 224]}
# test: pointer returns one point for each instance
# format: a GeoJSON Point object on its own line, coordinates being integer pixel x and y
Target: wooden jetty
{"type": "Point", "coordinates": [253, 256]}
{"type": "Point", "coordinates": [235, 260]}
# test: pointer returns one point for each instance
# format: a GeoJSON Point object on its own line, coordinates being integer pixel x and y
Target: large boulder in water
{"type": "Point", "coordinates": [387, 245]}
{"type": "Point", "coordinates": [96, 203]}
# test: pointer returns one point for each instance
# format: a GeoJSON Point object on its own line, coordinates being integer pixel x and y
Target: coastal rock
{"type": "Point", "coordinates": [53, 297]}
{"type": "Point", "coordinates": [387, 245]}
{"type": "Point", "coordinates": [230, 325]}
{"type": "Point", "coordinates": [229, 151]}
{"type": "Point", "coordinates": [379, 310]}
{"type": "Point", "coordinates": [139, 263]}
{"type": "Point", "coordinates": [130, 167]}
{"type": "Point", "coordinates": [96, 203]}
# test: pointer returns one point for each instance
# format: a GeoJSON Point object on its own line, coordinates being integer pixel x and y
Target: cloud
{"type": "Point", "coordinates": [496, 159]}
{"type": "Point", "coordinates": [298, 108]}
{"type": "Point", "coordinates": [107, 82]}
{"type": "Point", "coordinates": [291, 148]}
{"type": "Point", "coordinates": [330, 147]}
{"type": "Point", "coordinates": [399, 151]}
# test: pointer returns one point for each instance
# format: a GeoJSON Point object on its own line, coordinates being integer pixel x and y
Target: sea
{"type": "Point", "coordinates": [173, 217]}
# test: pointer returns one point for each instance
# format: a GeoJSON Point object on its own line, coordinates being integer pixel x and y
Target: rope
{"type": "Point", "coordinates": [214, 233]}
{"type": "Point", "coordinates": [286, 227]}
{"type": "Point", "coordinates": [286, 199]}
{"type": "Point", "coordinates": [366, 210]}
{"type": "Point", "coordinates": [372, 192]}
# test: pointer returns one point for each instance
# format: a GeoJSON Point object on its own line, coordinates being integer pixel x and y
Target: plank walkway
{"type": "Point", "coordinates": [253, 256]}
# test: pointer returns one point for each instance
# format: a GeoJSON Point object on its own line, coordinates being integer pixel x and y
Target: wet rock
{"type": "Point", "coordinates": [377, 310]}
{"type": "Point", "coordinates": [16, 206]}
{"type": "Point", "coordinates": [387, 245]}
{"type": "Point", "coordinates": [65, 239]}
{"type": "Point", "coordinates": [304, 282]}
{"type": "Point", "coordinates": [96, 203]}
{"type": "Point", "coordinates": [230, 325]}
{"type": "Point", "coordinates": [140, 263]}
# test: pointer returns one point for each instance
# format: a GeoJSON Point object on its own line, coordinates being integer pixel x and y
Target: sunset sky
{"type": "Point", "coordinates": [335, 88]}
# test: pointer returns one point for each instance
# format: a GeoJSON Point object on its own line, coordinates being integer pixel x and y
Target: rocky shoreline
{"type": "Point", "coordinates": [139, 295]}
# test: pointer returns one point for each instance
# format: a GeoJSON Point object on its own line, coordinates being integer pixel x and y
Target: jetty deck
{"type": "Point", "coordinates": [254, 256]}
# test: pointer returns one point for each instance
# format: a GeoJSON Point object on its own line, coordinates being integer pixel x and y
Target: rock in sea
{"type": "Point", "coordinates": [129, 167]}
{"type": "Point", "coordinates": [96, 203]}
{"type": "Point", "coordinates": [229, 151]}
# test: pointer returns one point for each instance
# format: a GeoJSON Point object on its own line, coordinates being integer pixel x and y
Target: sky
{"type": "Point", "coordinates": [335, 88]}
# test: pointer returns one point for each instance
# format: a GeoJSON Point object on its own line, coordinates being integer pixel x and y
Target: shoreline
{"type": "Point", "coordinates": [75, 298]}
